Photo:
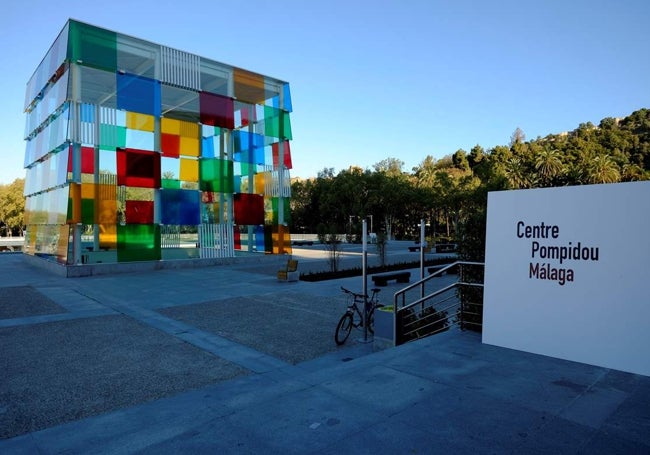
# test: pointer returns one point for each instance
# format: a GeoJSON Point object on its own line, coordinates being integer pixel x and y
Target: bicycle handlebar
{"type": "Point", "coordinates": [347, 291]}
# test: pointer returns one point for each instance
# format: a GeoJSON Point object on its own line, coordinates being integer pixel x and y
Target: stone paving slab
{"type": "Point", "coordinates": [292, 326]}
{"type": "Point", "coordinates": [61, 371]}
{"type": "Point", "coordinates": [25, 301]}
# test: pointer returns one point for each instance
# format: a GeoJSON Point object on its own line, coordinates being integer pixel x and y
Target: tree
{"type": "Point", "coordinates": [476, 155]}
{"type": "Point", "coordinates": [549, 166]}
{"type": "Point", "coordinates": [12, 208]}
{"type": "Point", "coordinates": [460, 160]}
{"type": "Point", "coordinates": [517, 137]}
{"type": "Point", "coordinates": [602, 169]}
{"type": "Point", "coordinates": [390, 166]}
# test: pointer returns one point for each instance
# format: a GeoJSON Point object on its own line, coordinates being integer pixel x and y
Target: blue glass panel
{"type": "Point", "coordinates": [87, 113]}
{"type": "Point", "coordinates": [207, 147]}
{"type": "Point", "coordinates": [138, 94]}
{"type": "Point", "coordinates": [259, 237]}
{"type": "Point", "coordinates": [287, 98]}
{"type": "Point", "coordinates": [249, 147]}
{"type": "Point", "coordinates": [180, 206]}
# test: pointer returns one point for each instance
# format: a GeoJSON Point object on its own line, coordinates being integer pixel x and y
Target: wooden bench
{"type": "Point", "coordinates": [445, 247]}
{"type": "Point", "coordinates": [381, 279]}
{"type": "Point", "coordinates": [290, 272]}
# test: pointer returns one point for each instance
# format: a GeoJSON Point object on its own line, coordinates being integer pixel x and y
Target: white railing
{"type": "Point", "coordinates": [170, 236]}
{"type": "Point", "coordinates": [216, 240]}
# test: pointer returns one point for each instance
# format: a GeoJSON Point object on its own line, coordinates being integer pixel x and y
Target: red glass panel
{"type": "Point", "coordinates": [170, 144]}
{"type": "Point", "coordinates": [139, 212]}
{"type": "Point", "coordinates": [138, 168]}
{"type": "Point", "coordinates": [217, 110]}
{"type": "Point", "coordinates": [87, 160]}
{"type": "Point", "coordinates": [249, 208]}
{"type": "Point", "coordinates": [287, 155]}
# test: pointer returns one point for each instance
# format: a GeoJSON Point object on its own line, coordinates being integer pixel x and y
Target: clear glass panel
{"type": "Point", "coordinates": [97, 87]}
{"type": "Point", "coordinates": [53, 99]}
{"type": "Point", "coordinates": [136, 56]}
{"type": "Point", "coordinates": [179, 103]}
{"type": "Point", "coordinates": [48, 67]}
{"type": "Point", "coordinates": [215, 77]}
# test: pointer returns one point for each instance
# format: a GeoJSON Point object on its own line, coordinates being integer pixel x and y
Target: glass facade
{"type": "Point", "coordinates": [140, 152]}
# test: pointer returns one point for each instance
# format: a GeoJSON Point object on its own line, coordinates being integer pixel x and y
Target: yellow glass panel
{"type": "Point", "coordinates": [189, 129]}
{"type": "Point", "coordinates": [108, 236]}
{"type": "Point", "coordinates": [189, 170]}
{"type": "Point", "coordinates": [259, 183]}
{"type": "Point", "coordinates": [107, 211]}
{"type": "Point", "coordinates": [170, 126]}
{"type": "Point", "coordinates": [189, 146]}
{"type": "Point", "coordinates": [142, 122]}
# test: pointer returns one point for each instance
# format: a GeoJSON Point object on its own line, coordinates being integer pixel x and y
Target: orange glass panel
{"type": "Point", "coordinates": [107, 211]}
{"type": "Point", "coordinates": [74, 204]}
{"type": "Point", "coordinates": [249, 86]}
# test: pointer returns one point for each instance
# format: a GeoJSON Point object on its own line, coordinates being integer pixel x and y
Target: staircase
{"type": "Point", "coordinates": [457, 304]}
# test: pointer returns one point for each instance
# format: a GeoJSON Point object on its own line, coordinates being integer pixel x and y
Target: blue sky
{"type": "Point", "coordinates": [373, 79]}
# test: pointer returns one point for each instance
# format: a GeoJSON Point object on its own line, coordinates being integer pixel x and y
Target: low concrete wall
{"type": "Point", "coordinates": [83, 270]}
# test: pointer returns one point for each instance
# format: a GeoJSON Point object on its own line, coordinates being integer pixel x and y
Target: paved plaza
{"type": "Point", "coordinates": [226, 359]}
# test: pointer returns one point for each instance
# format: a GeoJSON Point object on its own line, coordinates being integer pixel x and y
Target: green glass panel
{"type": "Point", "coordinates": [271, 121]}
{"type": "Point", "coordinates": [247, 168]}
{"type": "Point", "coordinates": [287, 211]}
{"type": "Point", "coordinates": [216, 175]}
{"type": "Point", "coordinates": [285, 126]}
{"type": "Point", "coordinates": [138, 242]}
{"type": "Point", "coordinates": [92, 46]}
{"type": "Point", "coordinates": [171, 184]}
{"type": "Point", "coordinates": [111, 136]}
{"type": "Point", "coordinates": [88, 211]}
{"type": "Point", "coordinates": [277, 123]}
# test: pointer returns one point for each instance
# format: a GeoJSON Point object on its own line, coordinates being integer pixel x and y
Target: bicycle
{"type": "Point", "coordinates": [347, 321]}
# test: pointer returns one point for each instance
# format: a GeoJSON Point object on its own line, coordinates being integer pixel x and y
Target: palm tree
{"type": "Point", "coordinates": [518, 174]}
{"type": "Point", "coordinates": [549, 166]}
{"type": "Point", "coordinates": [602, 169]}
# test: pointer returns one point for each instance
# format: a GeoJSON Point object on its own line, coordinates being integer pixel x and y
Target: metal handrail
{"type": "Point", "coordinates": [422, 300]}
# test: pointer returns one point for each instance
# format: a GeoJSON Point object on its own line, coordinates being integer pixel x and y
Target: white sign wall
{"type": "Point", "coordinates": [567, 273]}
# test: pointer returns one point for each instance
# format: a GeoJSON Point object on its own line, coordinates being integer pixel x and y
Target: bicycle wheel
{"type": "Point", "coordinates": [371, 321]}
{"type": "Point", "coordinates": [343, 329]}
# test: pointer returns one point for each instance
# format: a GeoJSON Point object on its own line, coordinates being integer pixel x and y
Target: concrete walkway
{"type": "Point", "coordinates": [227, 360]}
